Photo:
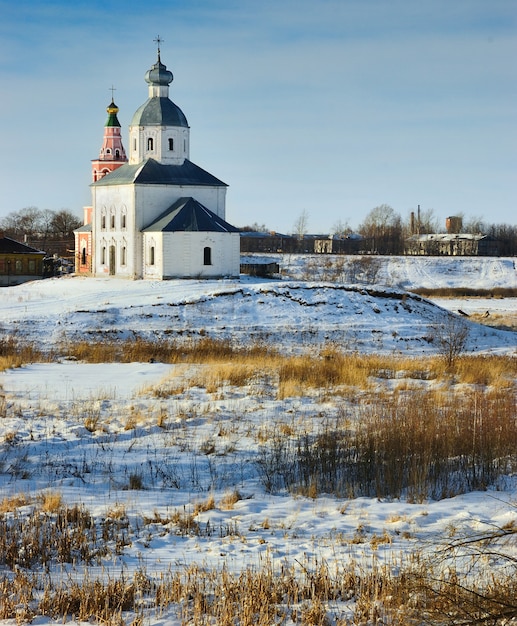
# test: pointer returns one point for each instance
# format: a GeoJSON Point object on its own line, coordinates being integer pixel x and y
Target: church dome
{"type": "Point", "coordinates": [159, 112]}
{"type": "Point", "coordinates": [159, 74]}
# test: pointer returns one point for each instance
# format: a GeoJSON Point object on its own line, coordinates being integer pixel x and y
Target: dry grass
{"type": "Point", "coordinates": [206, 505]}
{"type": "Point", "coordinates": [11, 503]}
{"type": "Point", "coordinates": [14, 353]}
{"type": "Point", "coordinates": [229, 500]}
{"type": "Point", "coordinates": [465, 292]}
{"type": "Point", "coordinates": [310, 593]}
{"type": "Point", "coordinates": [419, 444]}
{"type": "Point", "coordinates": [51, 502]}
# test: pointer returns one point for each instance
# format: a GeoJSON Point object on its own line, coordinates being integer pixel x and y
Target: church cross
{"type": "Point", "coordinates": [112, 89]}
{"type": "Point", "coordinates": [158, 41]}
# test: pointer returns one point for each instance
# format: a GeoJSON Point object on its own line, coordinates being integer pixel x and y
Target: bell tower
{"type": "Point", "coordinates": [112, 154]}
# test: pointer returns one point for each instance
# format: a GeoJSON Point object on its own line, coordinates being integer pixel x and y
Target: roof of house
{"type": "Point", "coordinates": [150, 172]}
{"type": "Point", "coordinates": [445, 237]}
{"type": "Point", "coordinates": [10, 246]}
{"type": "Point", "coordinates": [189, 215]}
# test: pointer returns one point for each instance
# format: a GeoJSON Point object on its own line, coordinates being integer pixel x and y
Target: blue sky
{"type": "Point", "coordinates": [330, 107]}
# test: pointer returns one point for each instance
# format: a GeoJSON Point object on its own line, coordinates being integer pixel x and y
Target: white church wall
{"type": "Point", "coordinates": [113, 225]}
{"type": "Point", "coordinates": [191, 255]}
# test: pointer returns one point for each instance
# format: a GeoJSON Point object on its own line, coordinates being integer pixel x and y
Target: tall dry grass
{"type": "Point", "coordinates": [14, 353]}
{"type": "Point", "coordinates": [305, 593]}
{"type": "Point", "coordinates": [418, 445]}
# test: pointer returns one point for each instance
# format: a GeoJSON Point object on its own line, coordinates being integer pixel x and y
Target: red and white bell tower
{"type": "Point", "coordinates": [112, 154]}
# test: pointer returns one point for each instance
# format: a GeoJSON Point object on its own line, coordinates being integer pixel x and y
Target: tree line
{"type": "Point", "coordinates": [52, 231]}
{"type": "Point", "coordinates": [384, 231]}
{"type": "Point", "coordinates": [387, 231]}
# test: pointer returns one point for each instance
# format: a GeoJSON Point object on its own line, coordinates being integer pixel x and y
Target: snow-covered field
{"type": "Point", "coordinates": [86, 430]}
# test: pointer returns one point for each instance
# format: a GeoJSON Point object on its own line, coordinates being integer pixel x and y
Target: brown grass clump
{"type": "Point", "coordinates": [205, 505]}
{"type": "Point", "coordinates": [495, 371]}
{"type": "Point", "coordinates": [11, 503]}
{"type": "Point", "coordinates": [51, 502]}
{"type": "Point", "coordinates": [14, 353]}
{"type": "Point", "coordinates": [229, 500]}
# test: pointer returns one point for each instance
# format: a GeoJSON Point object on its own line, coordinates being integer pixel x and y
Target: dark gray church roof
{"type": "Point", "coordinates": [159, 112]}
{"type": "Point", "coordinates": [150, 172]}
{"type": "Point", "coordinates": [187, 214]}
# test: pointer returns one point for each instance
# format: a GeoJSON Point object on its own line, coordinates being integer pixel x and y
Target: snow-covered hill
{"type": "Point", "coordinates": [293, 314]}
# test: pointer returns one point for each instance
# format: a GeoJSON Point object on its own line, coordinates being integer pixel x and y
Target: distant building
{"type": "Point", "coordinates": [19, 263]}
{"type": "Point", "coordinates": [445, 244]}
{"type": "Point", "coordinates": [308, 244]}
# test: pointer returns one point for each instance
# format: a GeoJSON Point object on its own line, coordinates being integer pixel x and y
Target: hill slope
{"type": "Point", "coordinates": [293, 314]}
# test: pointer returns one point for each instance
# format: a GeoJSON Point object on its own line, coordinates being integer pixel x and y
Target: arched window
{"type": "Point", "coordinates": [151, 255]}
{"type": "Point", "coordinates": [207, 256]}
{"type": "Point", "coordinates": [112, 221]}
{"type": "Point", "coordinates": [83, 256]}
{"type": "Point", "coordinates": [123, 220]}
{"type": "Point", "coordinates": [150, 143]}
{"type": "Point", "coordinates": [108, 151]}
{"type": "Point", "coordinates": [171, 143]}
{"type": "Point", "coordinates": [103, 256]}
{"type": "Point", "coordinates": [117, 153]}
{"type": "Point", "coordinates": [123, 255]}
{"type": "Point", "coordinates": [103, 222]}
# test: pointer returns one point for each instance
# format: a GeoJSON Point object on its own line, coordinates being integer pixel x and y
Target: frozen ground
{"type": "Point", "coordinates": [83, 430]}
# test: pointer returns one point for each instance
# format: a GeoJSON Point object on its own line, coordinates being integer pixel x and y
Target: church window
{"type": "Point", "coordinates": [103, 222]}
{"type": "Point", "coordinates": [123, 220]}
{"type": "Point", "coordinates": [207, 256]}
{"type": "Point", "coordinates": [151, 255]}
{"type": "Point", "coordinates": [112, 221]}
{"type": "Point", "coordinates": [103, 256]}
{"type": "Point", "coordinates": [171, 143]}
{"type": "Point", "coordinates": [117, 153]}
{"type": "Point", "coordinates": [108, 151]}
{"type": "Point", "coordinates": [134, 145]}
{"type": "Point", "coordinates": [83, 256]}
{"type": "Point", "coordinates": [123, 255]}
{"type": "Point", "coordinates": [150, 143]}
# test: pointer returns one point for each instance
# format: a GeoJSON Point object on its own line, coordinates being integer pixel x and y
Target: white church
{"type": "Point", "coordinates": [155, 215]}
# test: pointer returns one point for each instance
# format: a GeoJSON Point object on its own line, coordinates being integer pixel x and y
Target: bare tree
{"type": "Point", "coordinates": [341, 229]}
{"type": "Point", "coordinates": [382, 227]}
{"type": "Point", "coordinates": [23, 223]}
{"type": "Point", "coordinates": [474, 225]}
{"type": "Point", "coordinates": [300, 225]}
{"type": "Point", "coordinates": [451, 338]}
{"type": "Point", "coordinates": [64, 223]}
